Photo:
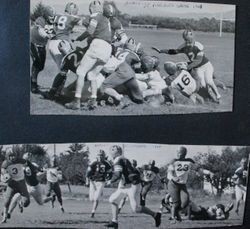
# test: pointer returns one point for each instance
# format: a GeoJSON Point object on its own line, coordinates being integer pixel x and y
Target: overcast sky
{"type": "Point", "coordinates": [154, 8]}
{"type": "Point", "coordinates": [162, 154]}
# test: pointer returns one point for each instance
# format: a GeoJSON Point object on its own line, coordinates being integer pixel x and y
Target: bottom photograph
{"type": "Point", "coordinates": [122, 185]}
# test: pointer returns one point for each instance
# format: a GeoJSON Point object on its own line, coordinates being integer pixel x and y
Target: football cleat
{"type": "Point", "coordinates": [92, 104]}
{"type": "Point", "coordinates": [92, 215]}
{"type": "Point", "coordinates": [62, 209]}
{"type": "Point", "coordinates": [74, 105]}
{"type": "Point", "coordinates": [34, 88]}
{"type": "Point", "coordinates": [48, 95]}
{"type": "Point", "coordinates": [112, 224]}
{"type": "Point", "coordinates": [157, 219]}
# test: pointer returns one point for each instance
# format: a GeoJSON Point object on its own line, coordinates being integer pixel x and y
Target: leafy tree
{"type": "Point", "coordinates": [38, 11]}
{"type": "Point", "coordinates": [74, 164]}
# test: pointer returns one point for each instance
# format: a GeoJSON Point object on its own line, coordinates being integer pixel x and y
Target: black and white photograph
{"type": "Point", "coordinates": [131, 57]}
{"type": "Point", "coordinates": [125, 185]}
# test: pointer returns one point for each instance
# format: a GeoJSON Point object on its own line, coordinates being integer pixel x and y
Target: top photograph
{"type": "Point", "coordinates": [123, 58]}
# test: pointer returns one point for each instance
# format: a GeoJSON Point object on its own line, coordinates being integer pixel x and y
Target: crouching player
{"type": "Point", "coordinates": [129, 185]}
{"type": "Point", "coordinates": [12, 174]}
{"type": "Point", "coordinates": [181, 80]}
{"type": "Point", "coordinates": [97, 173]}
{"type": "Point", "coordinates": [32, 172]}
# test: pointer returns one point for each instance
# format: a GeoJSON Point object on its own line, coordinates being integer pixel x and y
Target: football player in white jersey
{"type": "Point", "coordinates": [178, 171]}
{"type": "Point", "coordinates": [182, 81]}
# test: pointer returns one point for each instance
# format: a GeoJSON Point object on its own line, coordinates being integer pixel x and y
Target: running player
{"type": "Point", "coordinates": [129, 185]}
{"type": "Point", "coordinates": [40, 33]}
{"type": "Point", "coordinates": [97, 55]}
{"type": "Point", "coordinates": [98, 172]}
{"type": "Point", "coordinates": [198, 62]}
{"type": "Point", "coordinates": [178, 171]}
{"type": "Point", "coordinates": [12, 174]}
{"type": "Point", "coordinates": [240, 180]}
{"type": "Point", "coordinates": [32, 172]}
{"type": "Point", "coordinates": [54, 175]}
{"type": "Point", "coordinates": [149, 173]}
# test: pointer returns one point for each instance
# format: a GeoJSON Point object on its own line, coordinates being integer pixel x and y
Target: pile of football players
{"type": "Point", "coordinates": [112, 65]}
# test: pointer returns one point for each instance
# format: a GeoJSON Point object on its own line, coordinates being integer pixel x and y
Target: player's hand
{"type": "Point", "coordinates": [175, 179]}
{"type": "Point", "coordinates": [156, 49]}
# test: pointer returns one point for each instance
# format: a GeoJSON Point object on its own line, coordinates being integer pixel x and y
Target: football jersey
{"type": "Point", "coordinates": [35, 37]}
{"type": "Point", "coordinates": [181, 168]}
{"type": "Point", "coordinates": [63, 26]}
{"type": "Point", "coordinates": [149, 173]}
{"type": "Point", "coordinates": [241, 174]}
{"type": "Point", "coordinates": [116, 28]}
{"type": "Point", "coordinates": [155, 80]}
{"type": "Point", "coordinates": [52, 175]}
{"type": "Point", "coordinates": [102, 27]}
{"type": "Point", "coordinates": [192, 52]}
{"type": "Point", "coordinates": [127, 56]}
{"type": "Point", "coordinates": [130, 175]}
{"type": "Point", "coordinates": [30, 172]}
{"type": "Point", "coordinates": [15, 169]}
{"type": "Point", "coordinates": [99, 170]}
{"type": "Point", "coordinates": [184, 82]}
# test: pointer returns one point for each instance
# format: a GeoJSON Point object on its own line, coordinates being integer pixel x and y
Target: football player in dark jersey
{"type": "Point", "coordinates": [31, 172]}
{"type": "Point", "coordinates": [98, 172]}
{"type": "Point", "coordinates": [41, 31]}
{"type": "Point", "coordinates": [129, 185]}
{"type": "Point", "coordinates": [240, 179]}
{"type": "Point", "coordinates": [98, 53]}
{"type": "Point", "coordinates": [12, 174]}
{"type": "Point", "coordinates": [198, 62]}
{"type": "Point", "coordinates": [178, 171]}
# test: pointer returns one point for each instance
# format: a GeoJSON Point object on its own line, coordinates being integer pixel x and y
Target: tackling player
{"type": "Point", "coordinates": [54, 175]}
{"type": "Point", "coordinates": [240, 179]}
{"type": "Point", "coordinates": [40, 33]}
{"type": "Point", "coordinates": [31, 172]}
{"type": "Point", "coordinates": [98, 53]}
{"type": "Point", "coordinates": [124, 74]}
{"type": "Point", "coordinates": [98, 172]}
{"type": "Point", "coordinates": [12, 174]}
{"type": "Point", "coordinates": [198, 62]}
{"type": "Point", "coordinates": [129, 184]}
{"type": "Point", "coordinates": [149, 173]}
{"type": "Point", "coordinates": [178, 171]}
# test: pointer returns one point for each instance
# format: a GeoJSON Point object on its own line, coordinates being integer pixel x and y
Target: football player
{"type": "Point", "coordinates": [198, 62]}
{"type": "Point", "coordinates": [60, 45]}
{"type": "Point", "coordinates": [31, 172]}
{"type": "Point", "coordinates": [178, 171]}
{"type": "Point", "coordinates": [240, 179]}
{"type": "Point", "coordinates": [12, 174]}
{"type": "Point", "coordinates": [129, 184]}
{"type": "Point", "coordinates": [97, 55]}
{"type": "Point", "coordinates": [124, 74]}
{"type": "Point", "coordinates": [54, 175]}
{"type": "Point", "coordinates": [98, 172]}
{"type": "Point", "coordinates": [40, 33]}
{"type": "Point", "coordinates": [149, 173]}
{"type": "Point", "coordinates": [150, 81]}
{"type": "Point", "coordinates": [181, 80]}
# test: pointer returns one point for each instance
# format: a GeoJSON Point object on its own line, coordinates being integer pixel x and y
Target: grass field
{"type": "Point", "coordinates": [78, 208]}
{"type": "Point", "coordinates": [220, 50]}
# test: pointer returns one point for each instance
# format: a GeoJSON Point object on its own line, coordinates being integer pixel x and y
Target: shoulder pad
{"type": "Point", "coordinates": [199, 45]}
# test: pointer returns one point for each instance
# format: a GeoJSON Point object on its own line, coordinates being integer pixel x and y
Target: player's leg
{"type": "Point", "coordinates": [55, 52]}
{"type": "Point", "coordinates": [38, 55]}
{"type": "Point", "coordinates": [25, 197]}
{"type": "Point", "coordinates": [208, 74]}
{"type": "Point", "coordinates": [37, 194]}
{"type": "Point", "coordinates": [97, 195]}
{"type": "Point", "coordinates": [174, 192]}
{"type": "Point", "coordinates": [122, 203]}
{"type": "Point", "coordinates": [16, 198]}
{"type": "Point", "coordinates": [238, 195]}
{"type": "Point", "coordinates": [9, 193]}
{"type": "Point", "coordinates": [57, 190]}
{"type": "Point", "coordinates": [134, 199]}
{"type": "Point", "coordinates": [144, 191]}
{"type": "Point", "coordinates": [113, 200]}
{"type": "Point", "coordinates": [134, 90]}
